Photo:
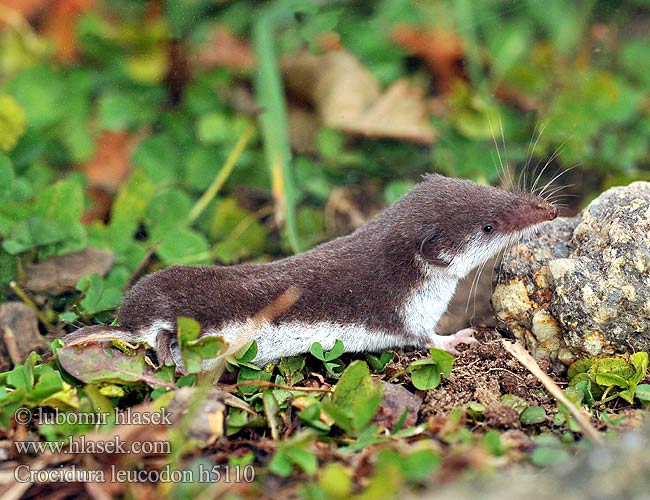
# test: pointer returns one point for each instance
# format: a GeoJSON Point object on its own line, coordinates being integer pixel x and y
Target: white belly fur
{"type": "Point", "coordinates": [428, 302]}
{"type": "Point", "coordinates": [421, 312]}
{"type": "Point", "coordinates": [291, 339]}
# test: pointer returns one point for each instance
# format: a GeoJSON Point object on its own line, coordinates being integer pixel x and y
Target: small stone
{"type": "Point", "coordinates": [395, 401]}
{"type": "Point", "coordinates": [596, 300]}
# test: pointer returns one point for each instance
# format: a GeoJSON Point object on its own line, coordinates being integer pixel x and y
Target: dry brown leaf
{"type": "Point", "coordinates": [101, 202]}
{"type": "Point", "coordinates": [59, 26]}
{"type": "Point", "coordinates": [224, 49]}
{"type": "Point", "coordinates": [110, 165]}
{"type": "Point", "coordinates": [19, 333]}
{"type": "Point", "coordinates": [60, 274]}
{"type": "Point", "coordinates": [26, 8]}
{"type": "Point", "coordinates": [400, 113]}
{"type": "Point", "coordinates": [442, 51]}
{"type": "Point", "coordinates": [303, 129]}
{"type": "Point", "coordinates": [348, 97]}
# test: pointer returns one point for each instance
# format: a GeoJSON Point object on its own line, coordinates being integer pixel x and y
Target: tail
{"type": "Point", "coordinates": [166, 347]}
{"type": "Point", "coordinates": [99, 333]}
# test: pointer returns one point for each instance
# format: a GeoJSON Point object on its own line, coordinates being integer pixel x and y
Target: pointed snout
{"type": "Point", "coordinates": [549, 210]}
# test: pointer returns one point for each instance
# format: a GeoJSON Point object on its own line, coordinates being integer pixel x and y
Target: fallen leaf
{"type": "Point", "coordinates": [224, 49]}
{"type": "Point", "coordinates": [100, 362]}
{"type": "Point", "coordinates": [348, 97]}
{"type": "Point", "coordinates": [60, 274]}
{"type": "Point", "coordinates": [26, 8]}
{"type": "Point", "coordinates": [442, 51]}
{"type": "Point", "coordinates": [208, 421]}
{"type": "Point", "coordinates": [303, 129]}
{"type": "Point", "coordinates": [60, 26]}
{"type": "Point", "coordinates": [110, 165]}
{"type": "Point", "coordinates": [101, 202]}
{"type": "Point", "coordinates": [400, 113]}
{"type": "Point", "coordinates": [19, 333]}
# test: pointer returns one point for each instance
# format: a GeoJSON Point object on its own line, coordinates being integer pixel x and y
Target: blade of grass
{"type": "Point", "coordinates": [222, 176]}
{"type": "Point", "coordinates": [273, 119]}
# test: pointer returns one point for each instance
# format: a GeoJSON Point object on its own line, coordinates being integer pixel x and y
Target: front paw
{"type": "Point", "coordinates": [450, 342]}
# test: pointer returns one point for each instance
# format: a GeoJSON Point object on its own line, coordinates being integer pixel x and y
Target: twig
{"type": "Point", "coordinates": [222, 176]}
{"type": "Point", "coordinates": [29, 302]}
{"type": "Point", "coordinates": [140, 267]}
{"type": "Point", "coordinates": [12, 347]}
{"type": "Point", "coordinates": [524, 357]}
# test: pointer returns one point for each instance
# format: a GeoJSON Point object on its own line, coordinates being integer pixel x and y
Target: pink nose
{"type": "Point", "coordinates": [552, 213]}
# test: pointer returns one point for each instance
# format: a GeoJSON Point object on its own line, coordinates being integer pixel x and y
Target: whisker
{"type": "Point", "coordinates": [511, 181]}
{"type": "Point", "coordinates": [531, 150]}
{"type": "Point", "coordinates": [496, 147]}
{"type": "Point", "coordinates": [556, 177]}
{"type": "Point", "coordinates": [555, 154]}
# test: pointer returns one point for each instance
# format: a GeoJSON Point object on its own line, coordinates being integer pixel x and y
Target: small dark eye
{"type": "Point", "coordinates": [487, 228]}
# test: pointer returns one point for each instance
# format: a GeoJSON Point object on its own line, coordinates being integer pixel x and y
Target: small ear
{"type": "Point", "coordinates": [431, 248]}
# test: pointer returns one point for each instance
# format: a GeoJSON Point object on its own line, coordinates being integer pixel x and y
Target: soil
{"type": "Point", "coordinates": [484, 373]}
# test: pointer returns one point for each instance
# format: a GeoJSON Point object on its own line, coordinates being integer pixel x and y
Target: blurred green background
{"type": "Point", "coordinates": [221, 131]}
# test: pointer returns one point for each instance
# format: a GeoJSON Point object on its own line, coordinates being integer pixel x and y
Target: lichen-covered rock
{"type": "Point", "coordinates": [581, 287]}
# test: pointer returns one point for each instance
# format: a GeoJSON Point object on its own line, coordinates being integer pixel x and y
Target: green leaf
{"type": "Point", "coordinates": [129, 108]}
{"type": "Point", "coordinates": [291, 369]}
{"type": "Point", "coordinates": [281, 464]}
{"type": "Point", "coordinates": [532, 415]}
{"type": "Point", "coordinates": [6, 175]}
{"type": "Point", "coordinates": [336, 351]}
{"type": "Point", "coordinates": [317, 351]}
{"type": "Point", "coordinates": [295, 451]}
{"type": "Point", "coordinates": [640, 362]}
{"type": "Point", "coordinates": [158, 158]}
{"type": "Point", "coordinates": [580, 366]}
{"type": "Point", "coordinates": [311, 416]}
{"type": "Point", "coordinates": [129, 208]}
{"type": "Point", "coordinates": [515, 402]}
{"type": "Point", "coordinates": [182, 245]}
{"type": "Point", "coordinates": [194, 349]}
{"type": "Point", "coordinates": [546, 456]}
{"type": "Point", "coordinates": [247, 374]}
{"type": "Point", "coordinates": [303, 458]}
{"type": "Point", "coordinates": [49, 383]}
{"type": "Point", "coordinates": [643, 392]}
{"type": "Point", "coordinates": [215, 128]}
{"type": "Point", "coordinates": [378, 364]}
{"type": "Point", "coordinates": [335, 367]}
{"type": "Point", "coordinates": [62, 202]}
{"type": "Point", "coordinates": [166, 211]}
{"type": "Point", "coordinates": [237, 233]}
{"type": "Point", "coordinates": [419, 465]}
{"type": "Point", "coordinates": [32, 233]}
{"type": "Point", "coordinates": [12, 122]}
{"type": "Point", "coordinates": [356, 398]}
{"type": "Point", "coordinates": [396, 189]}
{"type": "Point", "coordinates": [247, 353]}
{"type": "Point", "coordinates": [336, 480]}
{"type": "Point", "coordinates": [609, 379]}
{"type": "Point", "coordinates": [426, 377]}
{"type": "Point", "coordinates": [98, 296]}
{"type": "Point", "coordinates": [492, 442]}
{"type": "Point", "coordinates": [443, 359]}
{"type": "Point", "coordinates": [42, 103]}
{"type": "Point", "coordinates": [188, 330]}
{"type": "Point", "coordinates": [427, 373]}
